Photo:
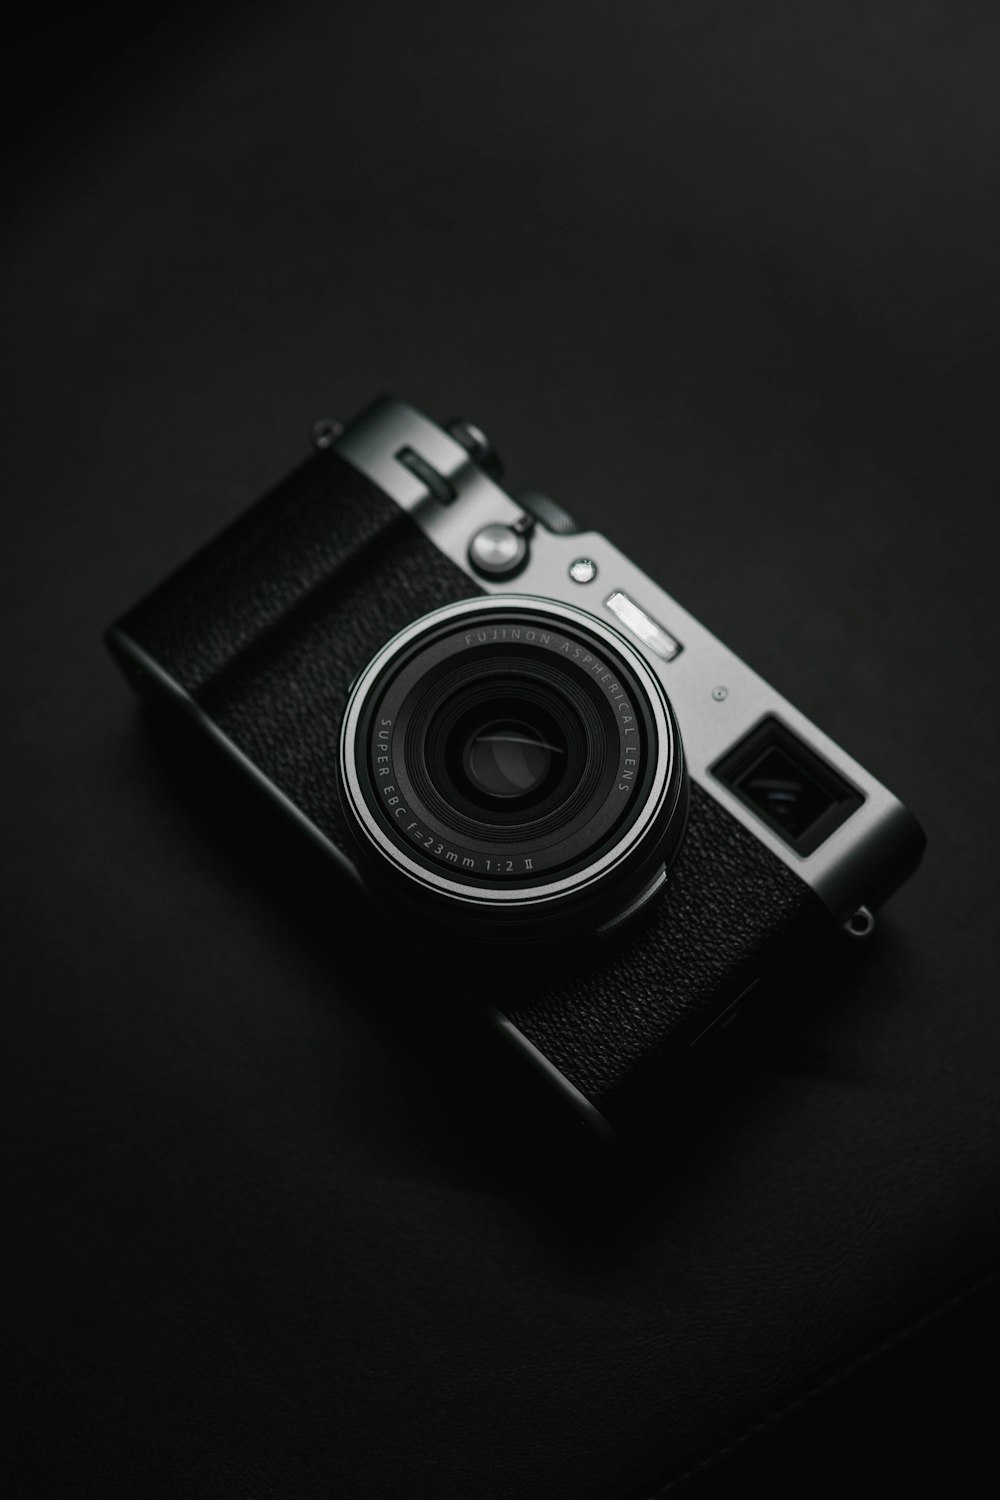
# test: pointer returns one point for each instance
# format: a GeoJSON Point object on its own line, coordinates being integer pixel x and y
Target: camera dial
{"type": "Point", "coordinates": [511, 768]}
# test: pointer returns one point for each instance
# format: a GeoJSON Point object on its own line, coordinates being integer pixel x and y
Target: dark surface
{"type": "Point", "coordinates": [723, 282]}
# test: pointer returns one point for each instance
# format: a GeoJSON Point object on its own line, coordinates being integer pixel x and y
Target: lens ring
{"type": "Point", "coordinates": [562, 832]}
{"type": "Point", "coordinates": [484, 887]}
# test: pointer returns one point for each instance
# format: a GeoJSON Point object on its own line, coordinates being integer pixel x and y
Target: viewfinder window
{"type": "Point", "coordinates": [791, 788]}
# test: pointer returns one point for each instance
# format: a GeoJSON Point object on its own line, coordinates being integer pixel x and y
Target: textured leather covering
{"type": "Point", "coordinates": [267, 627]}
{"type": "Point", "coordinates": [269, 624]}
{"type": "Point", "coordinates": [730, 910]}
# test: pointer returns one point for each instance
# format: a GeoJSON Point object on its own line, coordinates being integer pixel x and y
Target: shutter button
{"type": "Point", "coordinates": [499, 551]}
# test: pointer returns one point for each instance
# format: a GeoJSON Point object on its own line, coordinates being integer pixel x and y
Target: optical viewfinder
{"type": "Point", "coordinates": [796, 793]}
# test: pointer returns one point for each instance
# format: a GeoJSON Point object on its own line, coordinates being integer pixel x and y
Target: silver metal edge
{"type": "Point", "coordinates": [587, 1113]}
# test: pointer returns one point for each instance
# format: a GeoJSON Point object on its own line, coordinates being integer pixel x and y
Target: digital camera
{"type": "Point", "coordinates": [543, 770]}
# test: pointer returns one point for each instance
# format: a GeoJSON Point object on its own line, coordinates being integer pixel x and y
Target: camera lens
{"type": "Point", "coordinates": [499, 746]}
{"type": "Point", "coordinates": [502, 759]}
{"type": "Point", "coordinates": [512, 764]}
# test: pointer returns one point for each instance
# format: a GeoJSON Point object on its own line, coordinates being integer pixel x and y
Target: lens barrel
{"type": "Point", "coordinates": [511, 768]}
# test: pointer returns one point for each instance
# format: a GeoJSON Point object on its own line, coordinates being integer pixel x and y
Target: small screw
{"type": "Point", "coordinates": [720, 694]}
{"type": "Point", "coordinates": [584, 570]}
{"type": "Point", "coordinates": [325, 432]}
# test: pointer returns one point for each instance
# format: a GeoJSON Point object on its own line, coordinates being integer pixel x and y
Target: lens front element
{"type": "Point", "coordinates": [508, 758]}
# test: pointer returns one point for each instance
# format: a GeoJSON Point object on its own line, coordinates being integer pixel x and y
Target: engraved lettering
{"type": "Point", "coordinates": [467, 863]}
{"type": "Point", "coordinates": [529, 864]}
{"type": "Point", "coordinates": [452, 856]}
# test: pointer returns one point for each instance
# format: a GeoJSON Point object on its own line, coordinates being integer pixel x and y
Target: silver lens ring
{"type": "Point", "coordinates": [449, 869]}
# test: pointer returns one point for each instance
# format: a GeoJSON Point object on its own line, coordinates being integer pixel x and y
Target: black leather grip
{"type": "Point", "coordinates": [266, 628]}
{"type": "Point", "coordinates": [625, 1017]}
{"type": "Point", "coordinates": [268, 625]}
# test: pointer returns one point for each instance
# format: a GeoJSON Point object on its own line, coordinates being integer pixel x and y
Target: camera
{"type": "Point", "coordinates": [577, 802]}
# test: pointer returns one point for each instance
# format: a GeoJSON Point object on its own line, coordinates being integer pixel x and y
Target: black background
{"type": "Point", "coordinates": [723, 280]}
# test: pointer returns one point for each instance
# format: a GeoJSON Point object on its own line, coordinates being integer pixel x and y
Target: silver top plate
{"type": "Point", "coordinates": [718, 699]}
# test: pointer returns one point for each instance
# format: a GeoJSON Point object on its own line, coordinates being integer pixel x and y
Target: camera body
{"type": "Point", "coordinates": [533, 759]}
